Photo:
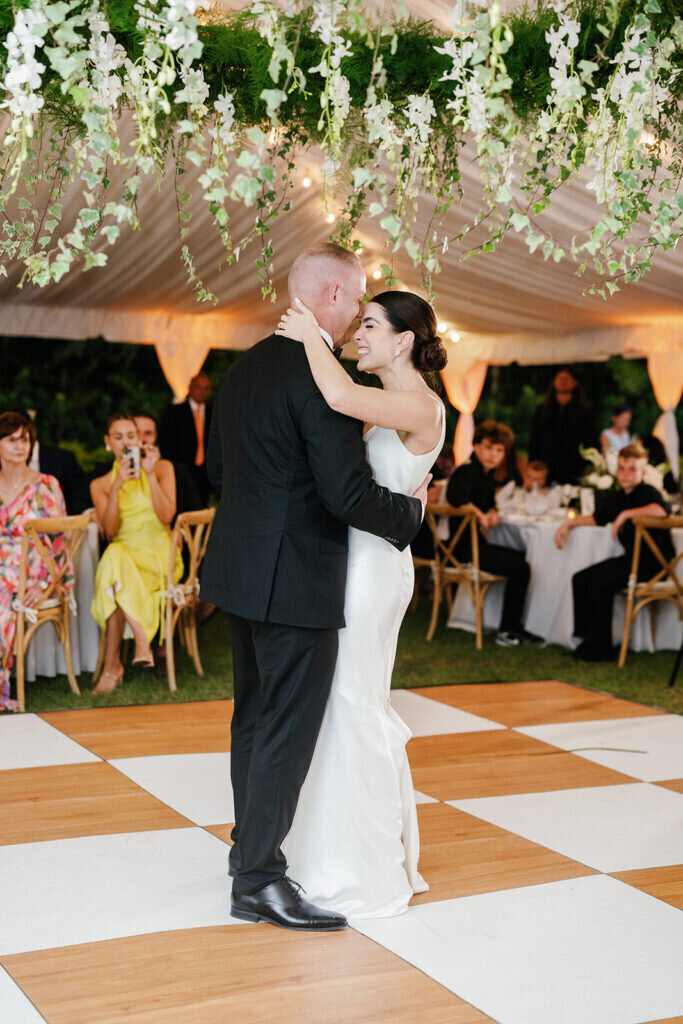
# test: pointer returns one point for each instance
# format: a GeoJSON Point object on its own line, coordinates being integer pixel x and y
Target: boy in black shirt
{"type": "Point", "coordinates": [594, 588]}
{"type": "Point", "coordinates": [474, 484]}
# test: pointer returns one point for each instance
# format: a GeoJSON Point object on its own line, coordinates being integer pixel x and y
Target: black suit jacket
{"type": "Point", "coordinates": [292, 474]}
{"type": "Point", "coordinates": [62, 464]}
{"type": "Point", "coordinates": [178, 434]}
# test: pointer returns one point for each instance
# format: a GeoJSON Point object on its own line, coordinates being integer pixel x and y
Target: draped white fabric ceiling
{"type": "Point", "coordinates": [507, 305]}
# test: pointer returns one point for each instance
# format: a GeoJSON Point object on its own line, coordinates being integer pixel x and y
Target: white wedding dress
{"type": "Point", "coordinates": [354, 843]}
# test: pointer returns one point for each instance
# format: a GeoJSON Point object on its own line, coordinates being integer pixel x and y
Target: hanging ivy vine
{"type": "Point", "coordinates": [542, 96]}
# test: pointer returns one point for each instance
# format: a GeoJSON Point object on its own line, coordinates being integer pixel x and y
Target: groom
{"type": "Point", "coordinates": [292, 475]}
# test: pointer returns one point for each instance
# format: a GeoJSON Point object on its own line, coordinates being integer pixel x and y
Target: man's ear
{"type": "Point", "coordinates": [333, 291]}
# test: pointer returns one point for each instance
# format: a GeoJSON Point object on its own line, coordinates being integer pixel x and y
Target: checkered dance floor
{"type": "Point", "coordinates": [552, 839]}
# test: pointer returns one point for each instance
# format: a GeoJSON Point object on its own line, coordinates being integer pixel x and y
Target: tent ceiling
{"type": "Point", "coordinates": [508, 305]}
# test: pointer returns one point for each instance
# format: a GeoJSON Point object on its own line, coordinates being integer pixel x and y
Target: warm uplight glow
{"type": "Point", "coordinates": [454, 336]}
{"type": "Point", "coordinates": [306, 182]}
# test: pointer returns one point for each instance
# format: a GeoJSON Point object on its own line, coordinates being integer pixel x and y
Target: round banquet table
{"type": "Point", "coordinates": [549, 610]}
{"type": "Point", "coordinates": [45, 655]}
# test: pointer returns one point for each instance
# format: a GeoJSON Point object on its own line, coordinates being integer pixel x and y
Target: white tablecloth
{"type": "Point", "coordinates": [549, 608]}
{"type": "Point", "coordinates": [45, 656]}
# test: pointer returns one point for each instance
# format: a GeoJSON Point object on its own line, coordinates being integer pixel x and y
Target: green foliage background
{"type": "Point", "coordinates": [75, 385]}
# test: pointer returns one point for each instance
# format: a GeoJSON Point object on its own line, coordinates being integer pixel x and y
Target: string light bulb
{"type": "Point", "coordinates": [306, 182]}
{"type": "Point", "coordinates": [442, 327]}
{"type": "Point", "coordinates": [454, 336]}
{"type": "Point", "coordinates": [377, 274]}
{"type": "Point", "coordinates": [330, 218]}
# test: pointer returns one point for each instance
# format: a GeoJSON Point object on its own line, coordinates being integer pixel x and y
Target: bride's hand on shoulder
{"type": "Point", "coordinates": [298, 323]}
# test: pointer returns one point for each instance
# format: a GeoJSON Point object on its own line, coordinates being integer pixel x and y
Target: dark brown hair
{"type": "Point", "coordinates": [489, 430]}
{"type": "Point", "coordinates": [406, 311]}
{"type": "Point", "coordinates": [10, 422]}
{"type": "Point", "coordinates": [115, 416]}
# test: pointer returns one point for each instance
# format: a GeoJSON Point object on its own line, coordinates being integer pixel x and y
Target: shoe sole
{"type": "Point", "coordinates": [244, 915]}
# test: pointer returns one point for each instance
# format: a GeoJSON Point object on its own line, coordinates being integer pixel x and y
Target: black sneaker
{"type": "Point", "coordinates": [505, 638]}
{"type": "Point", "coordinates": [529, 638]}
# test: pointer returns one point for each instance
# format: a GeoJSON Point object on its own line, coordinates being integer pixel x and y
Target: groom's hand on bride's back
{"type": "Point", "coordinates": [421, 492]}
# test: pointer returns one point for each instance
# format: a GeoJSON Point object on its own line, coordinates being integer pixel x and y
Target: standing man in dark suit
{"type": "Point", "coordinates": [63, 464]}
{"type": "Point", "coordinates": [184, 432]}
{"type": "Point", "coordinates": [294, 475]}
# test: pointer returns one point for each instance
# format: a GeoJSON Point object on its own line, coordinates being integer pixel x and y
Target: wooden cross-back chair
{"type": "Point", "coordinates": [448, 569]}
{"type": "Point", "coordinates": [58, 600]}
{"type": "Point", "coordinates": [665, 585]}
{"type": "Point", "coordinates": [191, 531]}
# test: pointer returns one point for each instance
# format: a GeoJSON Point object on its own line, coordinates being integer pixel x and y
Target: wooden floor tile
{"type": "Point", "coordinates": [461, 855]}
{"type": "Point", "coordinates": [198, 728]}
{"type": "Point", "coordinates": [675, 784]}
{"type": "Point", "coordinates": [254, 974]}
{"type": "Point", "coordinates": [669, 1020]}
{"type": "Point", "coordinates": [63, 801]}
{"type": "Point", "coordinates": [460, 766]}
{"type": "Point", "coordinates": [222, 831]}
{"type": "Point", "coordinates": [664, 883]}
{"type": "Point", "coordinates": [538, 703]}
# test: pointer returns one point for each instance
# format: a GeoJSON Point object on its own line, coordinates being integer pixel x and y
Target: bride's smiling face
{"type": "Point", "coordinates": [375, 338]}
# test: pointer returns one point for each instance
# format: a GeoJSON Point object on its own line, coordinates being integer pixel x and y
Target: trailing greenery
{"type": "Point", "coordinates": [542, 93]}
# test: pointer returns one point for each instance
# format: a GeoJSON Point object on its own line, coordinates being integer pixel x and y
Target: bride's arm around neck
{"type": "Point", "coordinates": [412, 411]}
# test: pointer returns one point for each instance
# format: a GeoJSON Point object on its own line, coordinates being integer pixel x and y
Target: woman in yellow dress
{"type": "Point", "coordinates": [134, 512]}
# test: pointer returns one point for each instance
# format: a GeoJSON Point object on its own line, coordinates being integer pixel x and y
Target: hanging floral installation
{"type": "Point", "coordinates": [584, 88]}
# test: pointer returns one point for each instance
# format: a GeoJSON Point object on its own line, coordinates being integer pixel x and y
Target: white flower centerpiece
{"type": "Point", "coordinates": [602, 476]}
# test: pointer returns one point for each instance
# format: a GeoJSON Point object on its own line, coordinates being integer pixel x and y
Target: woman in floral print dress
{"type": "Point", "coordinates": [24, 494]}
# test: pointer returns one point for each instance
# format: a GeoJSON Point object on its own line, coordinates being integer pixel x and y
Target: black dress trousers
{"type": "Point", "coordinates": [283, 676]}
{"type": "Point", "coordinates": [594, 589]}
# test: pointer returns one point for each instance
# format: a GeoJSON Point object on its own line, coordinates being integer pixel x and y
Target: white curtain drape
{"type": "Point", "coordinates": [464, 391]}
{"type": "Point", "coordinates": [180, 364]}
{"type": "Point", "coordinates": [666, 376]}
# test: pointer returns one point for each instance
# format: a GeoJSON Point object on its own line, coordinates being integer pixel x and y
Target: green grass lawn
{"type": "Point", "coordinates": [450, 658]}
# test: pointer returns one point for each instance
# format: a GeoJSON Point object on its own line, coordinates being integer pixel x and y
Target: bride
{"type": "Point", "coordinates": [354, 843]}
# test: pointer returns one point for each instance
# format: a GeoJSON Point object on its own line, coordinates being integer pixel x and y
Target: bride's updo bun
{"type": "Point", "coordinates": [406, 311]}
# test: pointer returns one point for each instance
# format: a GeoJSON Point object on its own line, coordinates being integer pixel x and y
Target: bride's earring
{"type": "Point", "coordinates": [107, 447]}
{"type": "Point", "coordinates": [397, 352]}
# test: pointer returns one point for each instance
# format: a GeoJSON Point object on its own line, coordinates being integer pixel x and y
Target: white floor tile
{"type": "Point", "coordinates": [585, 951]}
{"type": "Point", "coordinates": [609, 828]}
{"type": "Point", "coordinates": [15, 1007]}
{"type": "Point", "coordinates": [195, 785]}
{"type": "Point", "coordinates": [426, 717]}
{"type": "Point", "coordinates": [26, 741]}
{"type": "Point", "coordinates": [102, 887]}
{"type": "Point", "coordinates": [648, 748]}
{"type": "Point", "coordinates": [422, 798]}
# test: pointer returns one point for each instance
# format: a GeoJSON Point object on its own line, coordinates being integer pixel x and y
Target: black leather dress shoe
{"type": "Point", "coordinates": [282, 904]}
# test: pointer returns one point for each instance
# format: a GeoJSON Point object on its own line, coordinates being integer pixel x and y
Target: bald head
{"type": "Point", "coordinates": [330, 280]}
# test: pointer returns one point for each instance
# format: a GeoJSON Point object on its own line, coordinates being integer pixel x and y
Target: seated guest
{"type": "Point", "coordinates": [473, 485]}
{"type": "Point", "coordinates": [186, 494]}
{"type": "Point", "coordinates": [184, 433]}
{"type": "Point", "coordinates": [594, 588]}
{"type": "Point", "coordinates": [535, 474]}
{"type": "Point", "coordinates": [560, 424]}
{"type": "Point", "coordinates": [617, 436]}
{"type": "Point", "coordinates": [63, 465]}
{"type": "Point", "coordinates": [134, 509]}
{"type": "Point", "coordinates": [24, 494]}
{"type": "Point", "coordinates": [508, 469]}
{"type": "Point", "coordinates": [656, 456]}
